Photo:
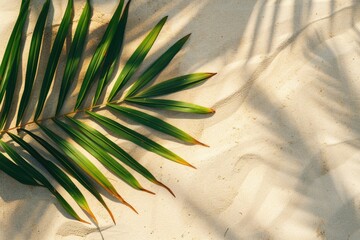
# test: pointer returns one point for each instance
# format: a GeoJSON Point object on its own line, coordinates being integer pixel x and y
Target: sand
{"type": "Point", "coordinates": [284, 142]}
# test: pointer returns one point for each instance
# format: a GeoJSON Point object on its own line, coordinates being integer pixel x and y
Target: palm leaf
{"type": "Point", "coordinates": [58, 174]}
{"type": "Point", "coordinates": [12, 64]}
{"type": "Point", "coordinates": [33, 59]}
{"type": "Point", "coordinates": [171, 105]}
{"type": "Point", "coordinates": [157, 66]}
{"type": "Point", "coordinates": [84, 163]}
{"type": "Point", "coordinates": [175, 85]}
{"type": "Point", "coordinates": [99, 55]}
{"type": "Point", "coordinates": [101, 155]}
{"type": "Point", "coordinates": [110, 59]}
{"type": "Point", "coordinates": [155, 123]}
{"type": "Point", "coordinates": [54, 57]}
{"type": "Point", "coordinates": [137, 138]}
{"type": "Point", "coordinates": [39, 177]}
{"type": "Point", "coordinates": [64, 157]}
{"type": "Point", "coordinates": [71, 168]}
{"type": "Point", "coordinates": [11, 43]}
{"type": "Point", "coordinates": [112, 148]}
{"type": "Point", "coordinates": [16, 172]}
{"type": "Point", "coordinates": [136, 59]}
{"type": "Point", "coordinates": [10, 90]}
{"type": "Point", "coordinates": [73, 59]}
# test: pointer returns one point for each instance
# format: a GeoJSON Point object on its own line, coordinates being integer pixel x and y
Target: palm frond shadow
{"type": "Point", "coordinates": [308, 165]}
{"type": "Point", "coordinates": [305, 166]}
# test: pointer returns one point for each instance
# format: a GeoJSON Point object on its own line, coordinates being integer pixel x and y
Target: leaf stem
{"type": "Point", "coordinates": [99, 106]}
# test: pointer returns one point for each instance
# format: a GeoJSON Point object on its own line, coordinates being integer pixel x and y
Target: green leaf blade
{"type": "Point", "coordinates": [137, 138]}
{"type": "Point", "coordinates": [101, 155]}
{"type": "Point", "coordinates": [75, 53]}
{"type": "Point", "coordinates": [99, 56]}
{"type": "Point", "coordinates": [136, 59]}
{"type": "Point", "coordinates": [116, 151]}
{"type": "Point", "coordinates": [155, 68]}
{"type": "Point", "coordinates": [24, 164]}
{"type": "Point", "coordinates": [10, 90]}
{"type": "Point", "coordinates": [9, 47]}
{"type": "Point", "coordinates": [154, 123]}
{"type": "Point", "coordinates": [84, 163]}
{"type": "Point", "coordinates": [171, 105]}
{"type": "Point", "coordinates": [54, 57]}
{"type": "Point", "coordinates": [11, 64]}
{"type": "Point", "coordinates": [175, 85]}
{"type": "Point", "coordinates": [39, 177]}
{"type": "Point", "coordinates": [33, 59]}
{"type": "Point", "coordinates": [71, 167]}
{"type": "Point", "coordinates": [16, 172]}
{"type": "Point", "coordinates": [58, 175]}
{"type": "Point", "coordinates": [113, 55]}
{"type": "Point", "coordinates": [67, 206]}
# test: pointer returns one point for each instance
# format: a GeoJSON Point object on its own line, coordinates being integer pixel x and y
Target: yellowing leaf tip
{"type": "Point", "coordinates": [148, 191]}
{"type": "Point", "coordinates": [200, 143]}
{"type": "Point", "coordinates": [166, 187]}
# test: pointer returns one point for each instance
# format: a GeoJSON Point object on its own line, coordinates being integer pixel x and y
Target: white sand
{"type": "Point", "coordinates": [283, 161]}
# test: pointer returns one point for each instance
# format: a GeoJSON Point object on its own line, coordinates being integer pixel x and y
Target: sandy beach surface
{"type": "Point", "coordinates": [283, 161]}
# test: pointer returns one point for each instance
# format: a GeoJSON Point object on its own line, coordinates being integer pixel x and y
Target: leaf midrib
{"type": "Point", "coordinates": [83, 110]}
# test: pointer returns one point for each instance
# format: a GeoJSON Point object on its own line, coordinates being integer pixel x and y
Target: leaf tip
{"type": "Point", "coordinates": [131, 207]}
{"type": "Point", "coordinates": [164, 19]}
{"type": "Point", "coordinates": [110, 213]}
{"type": "Point", "coordinates": [166, 187]}
{"type": "Point", "coordinates": [187, 37]}
{"type": "Point", "coordinates": [125, 203]}
{"type": "Point", "coordinates": [145, 190]}
{"type": "Point", "coordinates": [211, 74]}
{"type": "Point", "coordinates": [200, 143]}
{"type": "Point", "coordinates": [91, 214]}
{"type": "Point", "coordinates": [188, 164]}
{"type": "Point", "coordinates": [183, 162]}
{"type": "Point", "coordinates": [192, 166]}
{"type": "Point", "coordinates": [83, 221]}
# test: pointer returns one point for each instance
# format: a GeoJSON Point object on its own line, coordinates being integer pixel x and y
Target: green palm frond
{"type": "Point", "coordinates": [61, 159]}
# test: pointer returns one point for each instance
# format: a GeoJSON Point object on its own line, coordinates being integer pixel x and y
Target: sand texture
{"type": "Point", "coordinates": [284, 153]}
